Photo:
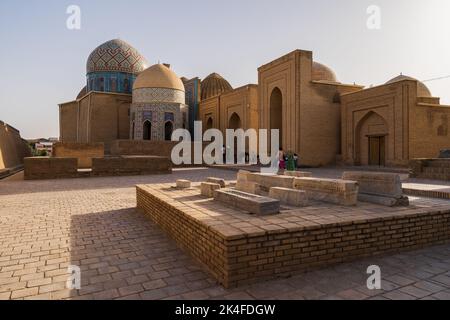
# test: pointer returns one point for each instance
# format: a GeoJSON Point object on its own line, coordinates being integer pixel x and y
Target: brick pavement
{"type": "Point", "coordinates": [47, 225]}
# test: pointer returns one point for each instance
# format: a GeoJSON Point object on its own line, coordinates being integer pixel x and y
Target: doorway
{"type": "Point", "coordinates": [276, 112]}
{"type": "Point", "coordinates": [147, 130]}
{"type": "Point", "coordinates": [377, 151]}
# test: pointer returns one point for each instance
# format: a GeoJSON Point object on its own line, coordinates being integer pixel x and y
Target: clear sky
{"type": "Point", "coordinates": [43, 63]}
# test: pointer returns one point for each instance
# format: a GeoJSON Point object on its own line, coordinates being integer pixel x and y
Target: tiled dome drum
{"type": "Point", "coordinates": [113, 67]}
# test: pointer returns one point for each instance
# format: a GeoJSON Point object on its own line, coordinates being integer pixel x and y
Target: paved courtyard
{"type": "Point", "coordinates": [45, 226]}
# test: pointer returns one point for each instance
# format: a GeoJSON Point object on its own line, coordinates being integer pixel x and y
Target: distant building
{"type": "Point", "coordinates": [42, 146]}
{"type": "Point", "coordinates": [46, 147]}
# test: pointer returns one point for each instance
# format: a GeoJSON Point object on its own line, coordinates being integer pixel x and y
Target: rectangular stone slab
{"type": "Point", "coordinates": [290, 197]}
{"type": "Point", "coordinates": [242, 175]}
{"type": "Point", "coordinates": [247, 202]}
{"type": "Point", "coordinates": [384, 201]}
{"type": "Point", "coordinates": [218, 181]}
{"type": "Point", "coordinates": [207, 189]}
{"type": "Point", "coordinates": [248, 187]}
{"type": "Point", "coordinates": [183, 184]}
{"type": "Point", "coordinates": [341, 192]}
{"type": "Point", "coordinates": [376, 183]}
{"type": "Point", "coordinates": [298, 174]}
{"type": "Point", "coordinates": [268, 181]}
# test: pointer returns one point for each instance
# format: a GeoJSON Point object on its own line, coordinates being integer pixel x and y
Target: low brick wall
{"type": "Point", "coordinates": [37, 168]}
{"type": "Point", "coordinates": [148, 148]}
{"type": "Point", "coordinates": [84, 152]}
{"type": "Point", "coordinates": [236, 258]}
{"type": "Point", "coordinates": [42, 168]}
{"type": "Point", "coordinates": [434, 169]}
{"type": "Point", "coordinates": [144, 148]}
{"type": "Point", "coordinates": [130, 166]}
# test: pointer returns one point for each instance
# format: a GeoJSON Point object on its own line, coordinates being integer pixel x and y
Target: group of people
{"type": "Point", "coordinates": [283, 158]}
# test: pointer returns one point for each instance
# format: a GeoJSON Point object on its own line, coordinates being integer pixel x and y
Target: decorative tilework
{"type": "Point", "coordinates": [116, 55]}
{"type": "Point", "coordinates": [117, 82]}
{"type": "Point", "coordinates": [150, 95]}
{"type": "Point", "coordinates": [158, 114]}
{"type": "Point", "coordinates": [168, 116]}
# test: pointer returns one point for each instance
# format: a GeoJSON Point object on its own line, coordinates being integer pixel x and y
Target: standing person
{"type": "Point", "coordinates": [281, 160]}
{"type": "Point", "coordinates": [296, 158]}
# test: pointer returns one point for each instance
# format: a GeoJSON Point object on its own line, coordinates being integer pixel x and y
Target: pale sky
{"type": "Point", "coordinates": [43, 63]}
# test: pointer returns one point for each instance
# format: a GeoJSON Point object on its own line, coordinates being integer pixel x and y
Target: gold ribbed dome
{"type": "Point", "coordinates": [158, 76]}
{"type": "Point", "coordinates": [422, 90]}
{"type": "Point", "coordinates": [214, 85]}
{"type": "Point", "coordinates": [321, 72]}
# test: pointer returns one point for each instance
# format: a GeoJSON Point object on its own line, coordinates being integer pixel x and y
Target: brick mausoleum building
{"type": "Point", "coordinates": [320, 118]}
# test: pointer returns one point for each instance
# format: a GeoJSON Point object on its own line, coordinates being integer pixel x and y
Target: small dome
{"type": "Point", "coordinates": [214, 85]}
{"type": "Point", "coordinates": [82, 93]}
{"type": "Point", "coordinates": [422, 90]}
{"type": "Point", "coordinates": [116, 56]}
{"type": "Point", "coordinates": [321, 72]}
{"type": "Point", "coordinates": [158, 76]}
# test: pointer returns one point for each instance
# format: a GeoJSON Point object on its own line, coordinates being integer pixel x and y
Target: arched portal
{"type": "Point", "coordinates": [371, 140]}
{"type": "Point", "coordinates": [209, 123]}
{"type": "Point", "coordinates": [147, 130]}
{"type": "Point", "coordinates": [276, 112]}
{"type": "Point", "coordinates": [235, 122]}
{"type": "Point", "coordinates": [168, 129]}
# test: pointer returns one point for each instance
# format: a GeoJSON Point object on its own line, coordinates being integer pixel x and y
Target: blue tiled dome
{"type": "Point", "coordinates": [116, 56]}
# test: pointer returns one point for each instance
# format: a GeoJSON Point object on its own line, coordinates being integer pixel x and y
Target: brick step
{"type": "Point", "coordinates": [431, 176]}
{"type": "Point", "coordinates": [434, 170]}
{"type": "Point", "coordinates": [439, 164]}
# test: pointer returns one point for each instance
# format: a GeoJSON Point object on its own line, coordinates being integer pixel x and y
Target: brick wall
{"type": "Point", "coordinates": [40, 168]}
{"type": "Point", "coordinates": [84, 152]}
{"type": "Point", "coordinates": [435, 169]}
{"type": "Point", "coordinates": [129, 166]}
{"type": "Point", "coordinates": [37, 168]}
{"type": "Point", "coordinates": [236, 259]}
{"type": "Point", "coordinates": [205, 245]}
{"type": "Point", "coordinates": [12, 148]}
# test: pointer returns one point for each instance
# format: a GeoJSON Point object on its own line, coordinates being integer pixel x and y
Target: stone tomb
{"type": "Point", "coordinates": [298, 174]}
{"type": "Point", "coordinates": [238, 248]}
{"type": "Point", "coordinates": [183, 184]}
{"type": "Point", "coordinates": [207, 189]}
{"type": "Point", "coordinates": [379, 188]}
{"type": "Point", "coordinates": [336, 191]}
{"type": "Point", "coordinates": [247, 202]}
{"type": "Point", "coordinates": [267, 181]}
{"type": "Point", "coordinates": [290, 197]}
{"type": "Point", "coordinates": [218, 181]}
{"type": "Point", "coordinates": [249, 187]}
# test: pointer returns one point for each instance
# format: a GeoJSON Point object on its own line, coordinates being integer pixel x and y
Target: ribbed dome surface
{"type": "Point", "coordinates": [116, 56]}
{"type": "Point", "coordinates": [422, 89]}
{"type": "Point", "coordinates": [214, 85]}
{"type": "Point", "coordinates": [158, 76]}
{"type": "Point", "coordinates": [321, 72]}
